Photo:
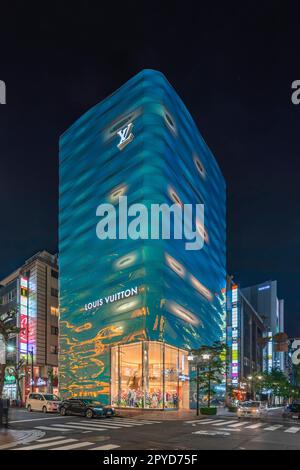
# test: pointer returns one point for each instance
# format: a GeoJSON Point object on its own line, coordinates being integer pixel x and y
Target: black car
{"type": "Point", "coordinates": [85, 407]}
{"type": "Point", "coordinates": [292, 411]}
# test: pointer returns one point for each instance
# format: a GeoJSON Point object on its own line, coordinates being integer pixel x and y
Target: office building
{"type": "Point", "coordinates": [31, 291]}
{"type": "Point", "coordinates": [245, 339]}
{"type": "Point", "coordinates": [264, 298]}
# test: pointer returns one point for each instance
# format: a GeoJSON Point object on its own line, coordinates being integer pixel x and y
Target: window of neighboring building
{"type": "Point", "coordinates": [54, 349]}
{"type": "Point", "coordinates": [54, 292]}
{"type": "Point", "coordinates": [8, 297]}
{"type": "Point", "coordinates": [54, 330]}
{"type": "Point", "coordinates": [54, 311]}
{"type": "Point", "coordinates": [54, 273]}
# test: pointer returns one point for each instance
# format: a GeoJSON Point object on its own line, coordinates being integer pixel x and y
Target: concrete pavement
{"type": "Point", "coordinates": [147, 433]}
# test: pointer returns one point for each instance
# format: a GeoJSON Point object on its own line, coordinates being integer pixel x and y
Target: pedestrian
{"type": "Point", "coordinates": [4, 411]}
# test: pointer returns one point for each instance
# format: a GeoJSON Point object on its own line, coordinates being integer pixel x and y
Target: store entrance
{"type": "Point", "coordinates": [184, 391]}
{"type": "Point", "coordinates": [149, 374]}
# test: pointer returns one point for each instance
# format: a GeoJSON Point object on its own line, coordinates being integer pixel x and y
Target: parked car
{"type": "Point", "coordinates": [291, 411]}
{"type": "Point", "coordinates": [42, 402]}
{"type": "Point", "coordinates": [251, 409]}
{"type": "Point", "coordinates": [85, 407]}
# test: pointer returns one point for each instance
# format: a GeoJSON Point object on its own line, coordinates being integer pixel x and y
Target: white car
{"type": "Point", "coordinates": [42, 402]}
{"type": "Point", "coordinates": [251, 409]}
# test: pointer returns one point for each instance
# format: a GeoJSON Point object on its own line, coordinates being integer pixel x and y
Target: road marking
{"type": "Point", "coordinates": [273, 428]}
{"type": "Point", "coordinates": [52, 428]}
{"type": "Point", "coordinates": [236, 425]}
{"type": "Point", "coordinates": [36, 419]}
{"type": "Point", "coordinates": [111, 425]}
{"type": "Point", "coordinates": [47, 444]}
{"type": "Point", "coordinates": [222, 423]}
{"type": "Point", "coordinates": [73, 446]}
{"type": "Point", "coordinates": [130, 423]}
{"type": "Point", "coordinates": [229, 429]}
{"type": "Point", "coordinates": [46, 439]}
{"type": "Point", "coordinates": [106, 447]}
{"type": "Point", "coordinates": [85, 427]}
{"type": "Point", "coordinates": [103, 426]}
{"type": "Point", "coordinates": [199, 421]}
{"type": "Point", "coordinates": [292, 430]}
{"type": "Point", "coordinates": [211, 433]}
{"type": "Point", "coordinates": [143, 421]}
{"type": "Point", "coordinates": [150, 421]}
{"type": "Point", "coordinates": [254, 426]}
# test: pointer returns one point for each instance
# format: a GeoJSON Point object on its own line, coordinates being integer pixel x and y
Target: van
{"type": "Point", "coordinates": [45, 402]}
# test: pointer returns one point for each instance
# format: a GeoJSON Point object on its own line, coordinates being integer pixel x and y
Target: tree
{"type": "Point", "coordinates": [211, 362]}
{"type": "Point", "coordinates": [277, 382]}
{"type": "Point", "coordinates": [8, 329]}
{"type": "Point", "coordinates": [17, 372]}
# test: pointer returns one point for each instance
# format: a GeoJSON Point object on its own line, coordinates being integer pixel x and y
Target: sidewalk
{"type": "Point", "coordinates": [167, 415]}
{"type": "Point", "coordinates": [11, 437]}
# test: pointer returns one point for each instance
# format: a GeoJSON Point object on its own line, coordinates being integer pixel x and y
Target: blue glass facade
{"type": "Point", "coordinates": [123, 291]}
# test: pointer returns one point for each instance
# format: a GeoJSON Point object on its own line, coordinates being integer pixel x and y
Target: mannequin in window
{"type": "Point", "coordinates": [134, 381]}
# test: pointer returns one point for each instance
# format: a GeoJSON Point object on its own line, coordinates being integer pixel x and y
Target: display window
{"type": "Point", "coordinates": [149, 374]}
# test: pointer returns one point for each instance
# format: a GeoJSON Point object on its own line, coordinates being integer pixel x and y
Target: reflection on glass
{"type": "Point", "coordinates": [154, 382]}
{"type": "Point", "coordinates": [171, 377]}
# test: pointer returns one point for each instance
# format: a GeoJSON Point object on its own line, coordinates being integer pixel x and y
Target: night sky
{"type": "Point", "coordinates": [233, 68]}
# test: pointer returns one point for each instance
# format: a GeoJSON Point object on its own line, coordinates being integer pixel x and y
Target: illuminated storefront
{"type": "Point", "coordinates": [132, 308]}
{"type": "Point", "coordinates": [149, 374]}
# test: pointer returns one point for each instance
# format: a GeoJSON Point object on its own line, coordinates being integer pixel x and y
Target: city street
{"type": "Point", "coordinates": [211, 433]}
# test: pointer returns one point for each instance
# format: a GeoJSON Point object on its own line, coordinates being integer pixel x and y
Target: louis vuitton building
{"type": "Point", "coordinates": [131, 308]}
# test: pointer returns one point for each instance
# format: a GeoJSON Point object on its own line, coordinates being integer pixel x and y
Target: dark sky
{"type": "Point", "coordinates": [233, 68]}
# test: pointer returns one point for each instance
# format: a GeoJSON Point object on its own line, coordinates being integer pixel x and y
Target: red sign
{"type": "Point", "coordinates": [23, 333]}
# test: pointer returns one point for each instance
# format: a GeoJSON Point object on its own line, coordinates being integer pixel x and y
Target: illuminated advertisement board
{"type": "Point", "coordinates": [23, 336]}
{"type": "Point", "coordinates": [235, 337]}
{"type": "Point", "coordinates": [140, 143]}
{"type": "Point", "coordinates": [27, 307]}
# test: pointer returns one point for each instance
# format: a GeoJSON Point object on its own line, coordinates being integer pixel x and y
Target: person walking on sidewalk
{"type": "Point", "coordinates": [4, 410]}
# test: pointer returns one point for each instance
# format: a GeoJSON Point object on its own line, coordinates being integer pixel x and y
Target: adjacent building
{"type": "Point", "coordinates": [264, 298]}
{"type": "Point", "coordinates": [132, 309]}
{"type": "Point", "coordinates": [245, 339]}
{"type": "Point", "coordinates": [31, 291]}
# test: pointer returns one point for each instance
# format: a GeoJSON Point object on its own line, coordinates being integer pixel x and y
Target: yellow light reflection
{"type": "Point", "coordinates": [175, 265]}
{"type": "Point", "coordinates": [182, 313]}
{"type": "Point", "coordinates": [118, 191]}
{"type": "Point", "coordinates": [201, 288]}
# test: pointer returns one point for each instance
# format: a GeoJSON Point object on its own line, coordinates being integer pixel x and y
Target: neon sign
{"type": "Point", "coordinates": [23, 336]}
{"type": "Point", "coordinates": [235, 345]}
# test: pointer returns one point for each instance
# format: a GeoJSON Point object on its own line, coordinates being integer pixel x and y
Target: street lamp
{"type": "Point", "coordinates": [204, 357]}
{"type": "Point", "coordinates": [250, 384]}
{"type": "Point", "coordinates": [191, 358]}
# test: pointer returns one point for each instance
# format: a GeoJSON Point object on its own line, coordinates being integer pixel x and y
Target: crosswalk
{"type": "Point", "coordinates": [99, 426]}
{"type": "Point", "coordinates": [64, 433]}
{"type": "Point", "coordinates": [65, 443]}
{"type": "Point", "coordinates": [234, 425]}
